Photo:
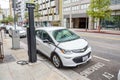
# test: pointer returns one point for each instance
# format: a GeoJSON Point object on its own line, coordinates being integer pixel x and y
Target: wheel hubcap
{"type": "Point", "coordinates": [56, 61]}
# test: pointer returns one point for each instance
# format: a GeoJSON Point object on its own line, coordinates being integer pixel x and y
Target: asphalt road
{"type": "Point", "coordinates": [106, 57]}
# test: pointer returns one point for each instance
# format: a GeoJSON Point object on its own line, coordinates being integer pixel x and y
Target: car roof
{"type": "Point", "coordinates": [50, 28]}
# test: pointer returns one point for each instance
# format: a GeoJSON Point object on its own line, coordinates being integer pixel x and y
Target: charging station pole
{"type": "Point", "coordinates": [31, 34]}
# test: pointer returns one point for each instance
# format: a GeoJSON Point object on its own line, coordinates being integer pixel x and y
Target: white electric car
{"type": "Point", "coordinates": [62, 46]}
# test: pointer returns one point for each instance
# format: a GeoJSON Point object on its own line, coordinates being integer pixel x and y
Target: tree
{"type": "Point", "coordinates": [7, 20]}
{"type": "Point", "coordinates": [99, 9]}
{"type": "Point", "coordinates": [26, 15]}
{"type": "Point", "coordinates": [10, 19]}
{"type": "Point", "coordinates": [0, 11]}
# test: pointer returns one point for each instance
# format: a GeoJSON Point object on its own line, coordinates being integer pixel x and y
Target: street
{"type": "Point", "coordinates": [106, 56]}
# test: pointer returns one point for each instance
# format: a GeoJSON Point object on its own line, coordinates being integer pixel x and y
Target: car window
{"type": "Point", "coordinates": [39, 34]}
{"type": "Point", "coordinates": [45, 35]}
{"type": "Point", "coordinates": [64, 35]}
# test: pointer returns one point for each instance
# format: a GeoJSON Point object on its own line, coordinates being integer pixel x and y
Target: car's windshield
{"type": "Point", "coordinates": [64, 35]}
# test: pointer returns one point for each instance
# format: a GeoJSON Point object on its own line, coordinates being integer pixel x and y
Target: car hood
{"type": "Point", "coordinates": [22, 31]}
{"type": "Point", "coordinates": [74, 44]}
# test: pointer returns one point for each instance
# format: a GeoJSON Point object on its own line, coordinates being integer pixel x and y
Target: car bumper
{"type": "Point", "coordinates": [119, 75]}
{"type": "Point", "coordinates": [22, 34]}
{"type": "Point", "coordinates": [77, 58]}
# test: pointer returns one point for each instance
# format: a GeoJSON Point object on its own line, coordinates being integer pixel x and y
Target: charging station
{"type": "Point", "coordinates": [31, 39]}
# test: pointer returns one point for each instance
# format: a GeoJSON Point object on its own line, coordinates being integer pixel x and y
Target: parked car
{"type": "Point", "coordinates": [22, 31]}
{"type": "Point", "coordinates": [119, 75]}
{"type": "Point", "coordinates": [8, 27]}
{"type": "Point", "coordinates": [62, 46]}
{"type": "Point", "coordinates": [2, 26]}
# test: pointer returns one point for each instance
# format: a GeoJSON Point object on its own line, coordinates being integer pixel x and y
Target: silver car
{"type": "Point", "coordinates": [22, 31]}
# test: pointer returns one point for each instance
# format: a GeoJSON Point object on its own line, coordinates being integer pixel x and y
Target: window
{"type": "Point", "coordinates": [39, 34]}
{"type": "Point", "coordinates": [66, 9]}
{"type": "Point", "coordinates": [64, 35]}
{"type": "Point", "coordinates": [84, 6]}
{"type": "Point", "coordinates": [43, 35]}
{"type": "Point", "coordinates": [75, 7]}
{"type": "Point", "coordinates": [67, 1]}
{"type": "Point", "coordinates": [75, 0]}
{"type": "Point", "coordinates": [115, 2]}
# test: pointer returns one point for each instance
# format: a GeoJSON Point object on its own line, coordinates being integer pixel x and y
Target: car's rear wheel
{"type": "Point", "coordinates": [56, 61]}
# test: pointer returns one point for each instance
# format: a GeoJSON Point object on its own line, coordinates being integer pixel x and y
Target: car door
{"type": "Point", "coordinates": [45, 48]}
{"type": "Point", "coordinates": [39, 41]}
{"type": "Point", "coordinates": [48, 47]}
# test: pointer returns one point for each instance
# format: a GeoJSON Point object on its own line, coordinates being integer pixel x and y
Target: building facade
{"type": "Point", "coordinates": [50, 11]}
{"type": "Point", "coordinates": [20, 11]}
{"type": "Point", "coordinates": [11, 7]}
{"type": "Point", "coordinates": [75, 16]}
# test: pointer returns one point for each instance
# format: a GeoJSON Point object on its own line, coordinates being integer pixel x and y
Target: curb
{"type": "Point", "coordinates": [23, 45]}
{"type": "Point", "coordinates": [61, 73]}
{"type": "Point", "coordinates": [101, 32]}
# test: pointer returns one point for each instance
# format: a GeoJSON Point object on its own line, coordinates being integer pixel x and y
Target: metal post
{"type": "Point", "coordinates": [70, 17]}
{"type": "Point", "coordinates": [14, 8]}
{"type": "Point", "coordinates": [31, 34]}
{"type": "Point", "coordinates": [15, 33]}
{"type": "Point", "coordinates": [86, 24]}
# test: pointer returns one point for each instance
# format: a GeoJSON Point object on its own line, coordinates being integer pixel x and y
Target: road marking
{"type": "Point", "coordinates": [108, 75]}
{"type": "Point", "coordinates": [91, 69]}
{"type": "Point", "coordinates": [101, 58]}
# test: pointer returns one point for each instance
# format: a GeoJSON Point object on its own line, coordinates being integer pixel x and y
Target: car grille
{"type": "Point", "coordinates": [80, 50]}
{"type": "Point", "coordinates": [79, 59]}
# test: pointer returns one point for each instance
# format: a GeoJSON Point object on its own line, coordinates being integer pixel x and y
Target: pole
{"type": "Point", "coordinates": [14, 8]}
{"type": "Point", "coordinates": [86, 24]}
{"type": "Point", "coordinates": [31, 34]}
{"type": "Point", "coordinates": [70, 17]}
{"type": "Point", "coordinates": [15, 33]}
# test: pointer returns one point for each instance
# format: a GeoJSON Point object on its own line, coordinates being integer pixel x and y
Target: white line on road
{"type": "Point", "coordinates": [101, 58]}
{"type": "Point", "coordinates": [108, 75]}
{"type": "Point", "coordinates": [92, 69]}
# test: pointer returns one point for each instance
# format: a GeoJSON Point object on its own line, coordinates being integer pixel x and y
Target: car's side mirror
{"type": "Point", "coordinates": [46, 41]}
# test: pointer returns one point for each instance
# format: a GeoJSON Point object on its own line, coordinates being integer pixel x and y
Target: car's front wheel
{"type": "Point", "coordinates": [56, 61]}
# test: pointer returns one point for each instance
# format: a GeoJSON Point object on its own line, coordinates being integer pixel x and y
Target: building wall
{"type": "Point", "coordinates": [77, 9]}
{"type": "Point", "coordinates": [51, 11]}
{"type": "Point", "coordinates": [20, 10]}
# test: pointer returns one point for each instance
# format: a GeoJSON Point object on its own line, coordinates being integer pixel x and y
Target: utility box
{"type": "Point", "coordinates": [15, 39]}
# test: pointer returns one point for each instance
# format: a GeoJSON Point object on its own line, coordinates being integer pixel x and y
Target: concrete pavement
{"type": "Point", "coordinates": [10, 70]}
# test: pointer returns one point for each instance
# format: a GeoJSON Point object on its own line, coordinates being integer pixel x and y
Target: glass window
{"type": "Point", "coordinates": [39, 34]}
{"type": "Point", "coordinates": [64, 35]}
{"type": "Point", "coordinates": [45, 35]}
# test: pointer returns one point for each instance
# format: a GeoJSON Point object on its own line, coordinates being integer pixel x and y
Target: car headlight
{"type": "Point", "coordinates": [66, 51]}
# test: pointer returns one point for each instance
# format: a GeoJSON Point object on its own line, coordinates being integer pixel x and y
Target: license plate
{"type": "Point", "coordinates": [85, 58]}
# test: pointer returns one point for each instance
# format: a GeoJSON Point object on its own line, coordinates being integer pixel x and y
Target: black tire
{"type": "Point", "coordinates": [56, 61]}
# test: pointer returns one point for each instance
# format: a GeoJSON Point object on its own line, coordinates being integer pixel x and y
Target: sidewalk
{"type": "Point", "coordinates": [113, 32]}
{"type": "Point", "coordinates": [10, 70]}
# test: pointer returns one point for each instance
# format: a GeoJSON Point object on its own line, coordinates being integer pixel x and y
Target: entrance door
{"type": "Point", "coordinates": [83, 23]}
